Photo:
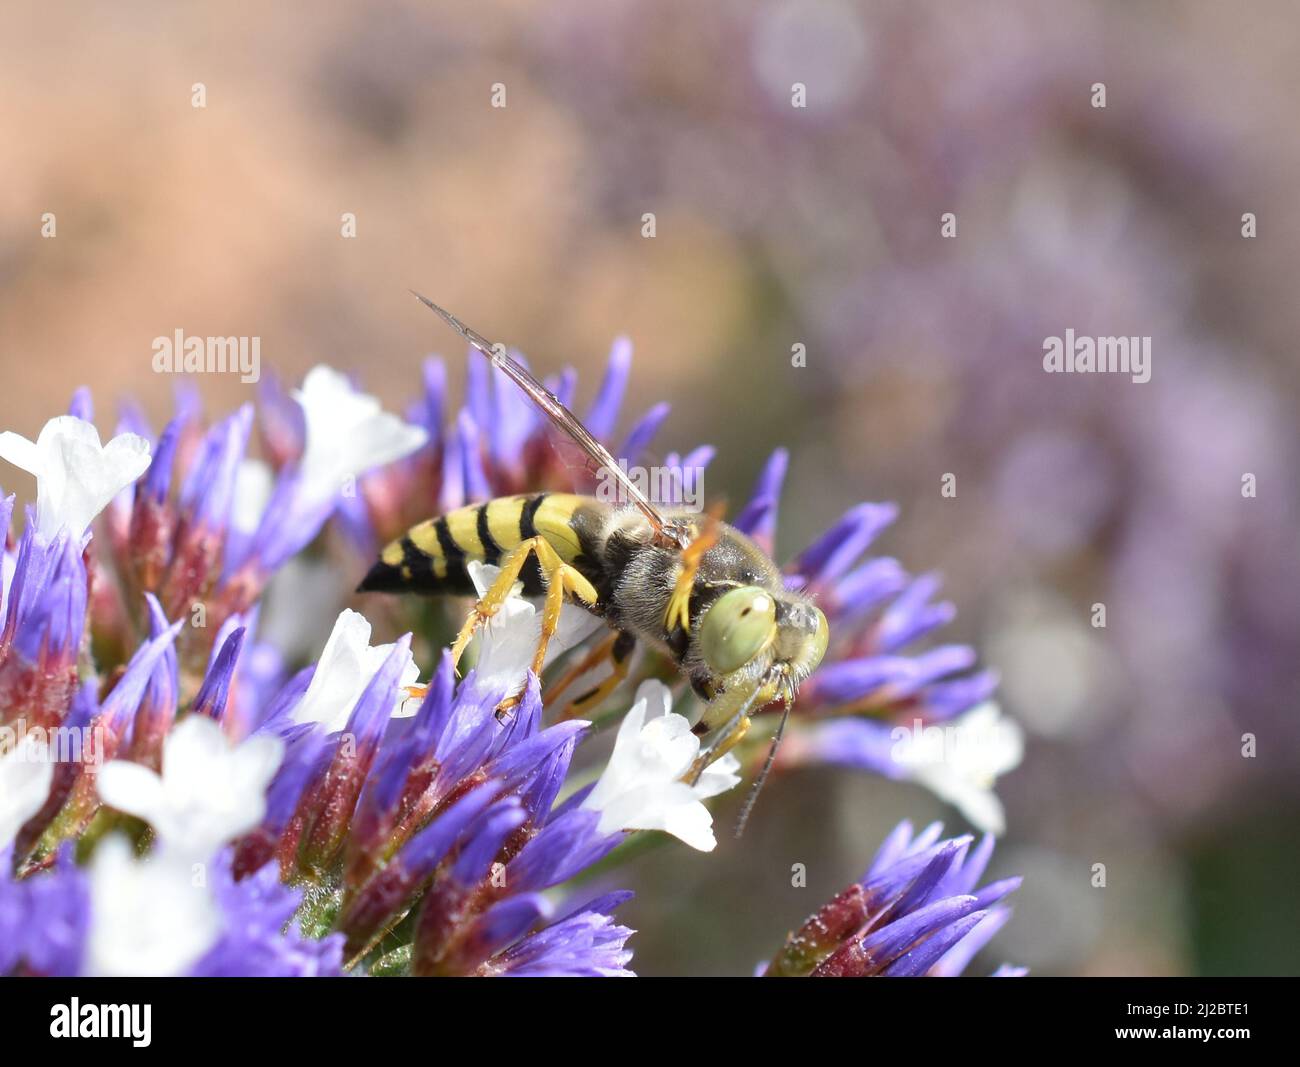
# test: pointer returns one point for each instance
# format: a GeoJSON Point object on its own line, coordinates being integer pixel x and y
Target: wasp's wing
{"type": "Point", "coordinates": [595, 457]}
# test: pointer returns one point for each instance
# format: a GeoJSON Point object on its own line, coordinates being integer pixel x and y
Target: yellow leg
{"type": "Point", "coordinates": [678, 614]}
{"type": "Point", "coordinates": [594, 658]}
{"type": "Point", "coordinates": [560, 578]}
{"type": "Point", "coordinates": [617, 650]}
{"type": "Point", "coordinates": [732, 708]}
{"type": "Point", "coordinates": [596, 695]}
{"type": "Point", "coordinates": [728, 740]}
{"type": "Point", "coordinates": [551, 611]}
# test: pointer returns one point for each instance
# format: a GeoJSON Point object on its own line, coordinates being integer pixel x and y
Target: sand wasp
{"type": "Point", "coordinates": [688, 585]}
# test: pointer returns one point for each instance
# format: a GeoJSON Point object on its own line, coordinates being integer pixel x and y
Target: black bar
{"type": "Point", "coordinates": [374, 1018]}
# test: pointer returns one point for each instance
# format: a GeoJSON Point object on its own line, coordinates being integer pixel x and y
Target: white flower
{"type": "Point", "coordinates": [25, 776]}
{"type": "Point", "coordinates": [347, 665]}
{"type": "Point", "coordinates": [8, 565]}
{"type": "Point", "coordinates": [348, 433]}
{"type": "Point", "coordinates": [960, 761]}
{"type": "Point", "coordinates": [209, 791]}
{"type": "Point", "coordinates": [508, 641]}
{"type": "Point", "coordinates": [253, 484]}
{"type": "Point", "coordinates": [641, 787]}
{"type": "Point", "coordinates": [76, 476]}
{"type": "Point", "coordinates": [153, 917]}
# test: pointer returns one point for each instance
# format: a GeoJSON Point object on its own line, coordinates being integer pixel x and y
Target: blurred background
{"type": "Point", "coordinates": [777, 226]}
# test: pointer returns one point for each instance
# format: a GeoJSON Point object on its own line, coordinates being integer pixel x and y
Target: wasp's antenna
{"type": "Point", "coordinates": [757, 787]}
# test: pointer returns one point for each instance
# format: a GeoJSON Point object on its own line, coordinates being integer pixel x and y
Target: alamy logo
{"type": "Point", "coordinates": [103, 1020]}
{"type": "Point", "coordinates": [208, 355]}
{"type": "Point", "coordinates": [54, 744]}
{"type": "Point", "coordinates": [673, 485]}
{"type": "Point", "coordinates": [1074, 354]}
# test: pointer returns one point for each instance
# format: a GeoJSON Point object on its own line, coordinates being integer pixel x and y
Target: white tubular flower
{"type": "Point", "coordinates": [509, 639]}
{"type": "Point", "coordinates": [25, 776]}
{"type": "Point", "coordinates": [641, 787]}
{"type": "Point", "coordinates": [76, 476]}
{"type": "Point", "coordinates": [347, 665]}
{"type": "Point", "coordinates": [961, 761]}
{"type": "Point", "coordinates": [208, 793]}
{"type": "Point", "coordinates": [152, 917]}
{"type": "Point", "coordinates": [348, 433]}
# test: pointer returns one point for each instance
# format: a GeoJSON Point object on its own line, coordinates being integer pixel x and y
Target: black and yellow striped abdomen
{"type": "Point", "coordinates": [431, 557]}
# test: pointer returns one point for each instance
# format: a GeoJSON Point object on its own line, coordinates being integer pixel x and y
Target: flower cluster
{"type": "Point", "coordinates": [915, 912]}
{"type": "Point", "coordinates": [232, 816]}
{"type": "Point", "coordinates": [445, 820]}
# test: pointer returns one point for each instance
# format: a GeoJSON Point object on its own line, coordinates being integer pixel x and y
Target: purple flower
{"type": "Point", "coordinates": [585, 943]}
{"type": "Point", "coordinates": [446, 815]}
{"type": "Point", "coordinates": [204, 513]}
{"type": "Point", "coordinates": [215, 690]}
{"type": "Point", "coordinates": [916, 912]}
{"type": "Point", "coordinates": [43, 629]}
{"type": "Point", "coordinates": [157, 710]}
{"type": "Point", "coordinates": [261, 935]}
{"type": "Point", "coordinates": [69, 921]}
{"type": "Point", "coordinates": [44, 919]}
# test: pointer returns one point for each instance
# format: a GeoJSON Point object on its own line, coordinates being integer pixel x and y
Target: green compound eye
{"type": "Point", "coordinates": [737, 628]}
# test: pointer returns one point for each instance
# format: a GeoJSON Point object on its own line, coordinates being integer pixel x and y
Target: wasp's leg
{"type": "Point", "coordinates": [728, 739]}
{"type": "Point", "coordinates": [594, 657]}
{"type": "Point", "coordinates": [733, 708]}
{"type": "Point", "coordinates": [560, 578]}
{"type": "Point", "coordinates": [617, 649]}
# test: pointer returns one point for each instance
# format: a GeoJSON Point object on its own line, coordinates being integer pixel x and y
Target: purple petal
{"type": "Point", "coordinates": [602, 416]}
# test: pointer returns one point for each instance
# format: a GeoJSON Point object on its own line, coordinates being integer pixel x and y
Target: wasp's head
{"type": "Point", "coordinates": [759, 644]}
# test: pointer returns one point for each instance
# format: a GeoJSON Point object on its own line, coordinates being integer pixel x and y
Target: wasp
{"type": "Point", "coordinates": [688, 585]}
